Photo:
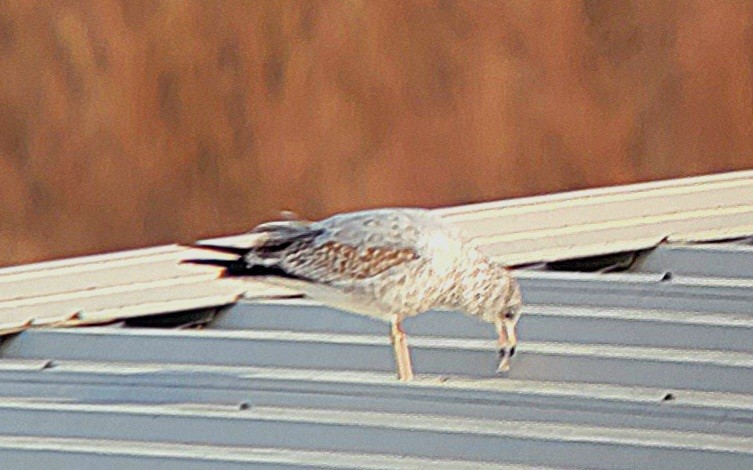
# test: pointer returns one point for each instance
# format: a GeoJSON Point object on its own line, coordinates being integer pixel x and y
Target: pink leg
{"type": "Point", "coordinates": [402, 355]}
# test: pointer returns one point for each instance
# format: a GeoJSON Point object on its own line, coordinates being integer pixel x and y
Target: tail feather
{"type": "Point", "coordinates": [278, 237]}
{"type": "Point", "coordinates": [264, 257]}
{"type": "Point", "coordinates": [239, 268]}
{"type": "Point", "coordinates": [275, 238]}
{"type": "Point", "coordinates": [233, 250]}
{"type": "Point", "coordinates": [283, 229]}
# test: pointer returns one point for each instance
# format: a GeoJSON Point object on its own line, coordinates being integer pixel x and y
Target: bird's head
{"type": "Point", "coordinates": [506, 321]}
{"type": "Point", "coordinates": [489, 292]}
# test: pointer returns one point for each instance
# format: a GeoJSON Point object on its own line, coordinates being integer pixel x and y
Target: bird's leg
{"type": "Point", "coordinates": [402, 355]}
{"type": "Point", "coordinates": [508, 339]}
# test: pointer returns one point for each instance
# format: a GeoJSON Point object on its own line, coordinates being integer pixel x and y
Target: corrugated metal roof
{"type": "Point", "coordinates": [648, 368]}
{"type": "Point", "coordinates": [104, 288]}
{"type": "Point", "coordinates": [609, 220]}
{"type": "Point", "coordinates": [578, 224]}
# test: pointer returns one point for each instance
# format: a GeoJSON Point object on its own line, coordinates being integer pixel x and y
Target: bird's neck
{"type": "Point", "coordinates": [479, 290]}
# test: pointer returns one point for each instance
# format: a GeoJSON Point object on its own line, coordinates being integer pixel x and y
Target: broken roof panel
{"type": "Point", "coordinates": [104, 288]}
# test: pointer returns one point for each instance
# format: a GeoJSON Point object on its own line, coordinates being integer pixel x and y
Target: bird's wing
{"type": "Point", "coordinates": [387, 228]}
{"type": "Point", "coordinates": [356, 246]}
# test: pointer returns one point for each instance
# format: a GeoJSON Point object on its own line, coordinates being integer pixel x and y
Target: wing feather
{"type": "Point", "coordinates": [333, 262]}
{"type": "Point", "coordinates": [357, 246]}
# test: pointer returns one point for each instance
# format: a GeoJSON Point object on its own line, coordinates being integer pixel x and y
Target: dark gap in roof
{"type": "Point", "coordinates": [746, 240]}
{"type": "Point", "coordinates": [196, 318]}
{"type": "Point", "coordinates": [613, 262]}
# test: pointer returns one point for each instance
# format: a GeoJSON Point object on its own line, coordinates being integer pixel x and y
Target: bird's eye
{"type": "Point", "coordinates": [509, 315]}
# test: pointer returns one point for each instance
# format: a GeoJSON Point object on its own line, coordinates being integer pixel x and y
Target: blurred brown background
{"type": "Point", "coordinates": [129, 123]}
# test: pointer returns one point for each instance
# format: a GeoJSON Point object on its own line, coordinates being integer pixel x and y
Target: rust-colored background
{"type": "Point", "coordinates": [129, 123]}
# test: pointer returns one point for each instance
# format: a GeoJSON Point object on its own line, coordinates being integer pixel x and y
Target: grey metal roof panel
{"type": "Point", "coordinates": [553, 323]}
{"type": "Point", "coordinates": [593, 363]}
{"type": "Point", "coordinates": [637, 291]}
{"type": "Point", "coordinates": [22, 452]}
{"type": "Point", "coordinates": [570, 405]}
{"type": "Point", "coordinates": [510, 399]}
{"type": "Point", "coordinates": [723, 260]}
{"type": "Point", "coordinates": [530, 443]}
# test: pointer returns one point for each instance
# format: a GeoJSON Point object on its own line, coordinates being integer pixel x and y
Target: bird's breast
{"type": "Point", "coordinates": [443, 253]}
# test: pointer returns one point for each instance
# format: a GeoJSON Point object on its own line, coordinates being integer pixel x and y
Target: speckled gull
{"type": "Point", "coordinates": [387, 264]}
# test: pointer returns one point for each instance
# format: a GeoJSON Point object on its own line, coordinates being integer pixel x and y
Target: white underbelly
{"type": "Point", "coordinates": [354, 303]}
{"type": "Point", "coordinates": [361, 304]}
{"type": "Point", "coordinates": [403, 294]}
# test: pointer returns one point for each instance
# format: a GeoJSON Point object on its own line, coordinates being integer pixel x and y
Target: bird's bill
{"type": "Point", "coordinates": [507, 341]}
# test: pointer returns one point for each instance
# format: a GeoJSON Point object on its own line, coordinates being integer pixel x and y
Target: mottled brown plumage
{"type": "Point", "coordinates": [390, 264]}
{"type": "Point", "coordinates": [341, 262]}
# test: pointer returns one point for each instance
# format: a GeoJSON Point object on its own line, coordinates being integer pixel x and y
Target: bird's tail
{"type": "Point", "coordinates": [239, 268]}
{"type": "Point", "coordinates": [263, 256]}
{"type": "Point", "coordinates": [232, 250]}
{"type": "Point", "coordinates": [276, 238]}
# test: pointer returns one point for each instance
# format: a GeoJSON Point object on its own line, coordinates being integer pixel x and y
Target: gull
{"type": "Point", "coordinates": [387, 264]}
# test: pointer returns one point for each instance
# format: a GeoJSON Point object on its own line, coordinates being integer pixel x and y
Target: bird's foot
{"type": "Point", "coordinates": [505, 355]}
